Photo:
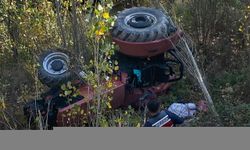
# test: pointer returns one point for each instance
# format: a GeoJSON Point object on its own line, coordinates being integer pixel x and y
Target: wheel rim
{"type": "Point", "coordinates": [56, 63]}
{"type": "Point", "coordinates": [140, 20]}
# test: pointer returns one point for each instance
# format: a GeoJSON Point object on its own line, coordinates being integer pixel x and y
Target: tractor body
{"type": "Point", "coordinates": [144, 36]}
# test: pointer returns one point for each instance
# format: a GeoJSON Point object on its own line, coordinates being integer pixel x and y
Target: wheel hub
{"type": "Point", "coordinates": [141, 20]}
{"type": "Point", "coordinates": [57, 65]}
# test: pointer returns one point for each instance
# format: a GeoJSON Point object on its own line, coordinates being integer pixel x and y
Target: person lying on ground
{"type": "Point", "coordinates": [161, 118]}
{"type": "Point", "coordinates": [188, 110]}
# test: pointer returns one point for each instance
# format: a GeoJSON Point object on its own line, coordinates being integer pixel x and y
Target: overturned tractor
{"type": "Point", "coordinates": [144, 36]}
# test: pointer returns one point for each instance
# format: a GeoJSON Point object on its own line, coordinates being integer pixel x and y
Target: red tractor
{"type": "Point", "coordinates": [144, 36]}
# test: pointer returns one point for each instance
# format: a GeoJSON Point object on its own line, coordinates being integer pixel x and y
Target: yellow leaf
{"type": "Point", "coordinates": [109, 98]}
{"type": "Point", "coordinates": [110, 84]}
{"type": "Point", "coordinates": [99, 32]}
{"type": "Point", "coordinates": [3, 105]}
{"type": "Point", "coordinates": [101, 23]}
{"type": "Point", "coordinates": [109, 105]}
{"type": "Point", "coordinates": [116, 68]}
{"type": "Point", "coordinates": [106, 15]}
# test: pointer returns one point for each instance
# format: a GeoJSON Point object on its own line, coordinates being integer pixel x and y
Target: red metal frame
{"type": "Point", "coordinates": [121, 98]}
{"type": "Point", "coordinates": [148, 49]}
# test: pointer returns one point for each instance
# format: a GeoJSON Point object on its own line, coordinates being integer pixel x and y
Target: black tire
{"type": "Point", "coordinates": [54, 68]}
{"type": "Point", "coordinates": [141, 24]}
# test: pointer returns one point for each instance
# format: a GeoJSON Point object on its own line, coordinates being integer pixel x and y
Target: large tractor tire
{"type": "Point", "coordinates": [54, 68]}
{"type": "Point", "coordinates": [141, 24]}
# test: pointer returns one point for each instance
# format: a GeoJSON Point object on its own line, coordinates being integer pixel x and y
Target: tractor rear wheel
{"type": "Point", "coordinates": [141, 24]}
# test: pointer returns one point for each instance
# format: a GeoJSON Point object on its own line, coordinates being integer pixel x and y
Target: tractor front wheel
{"type": "Point", "coordinates": [54, 68]}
